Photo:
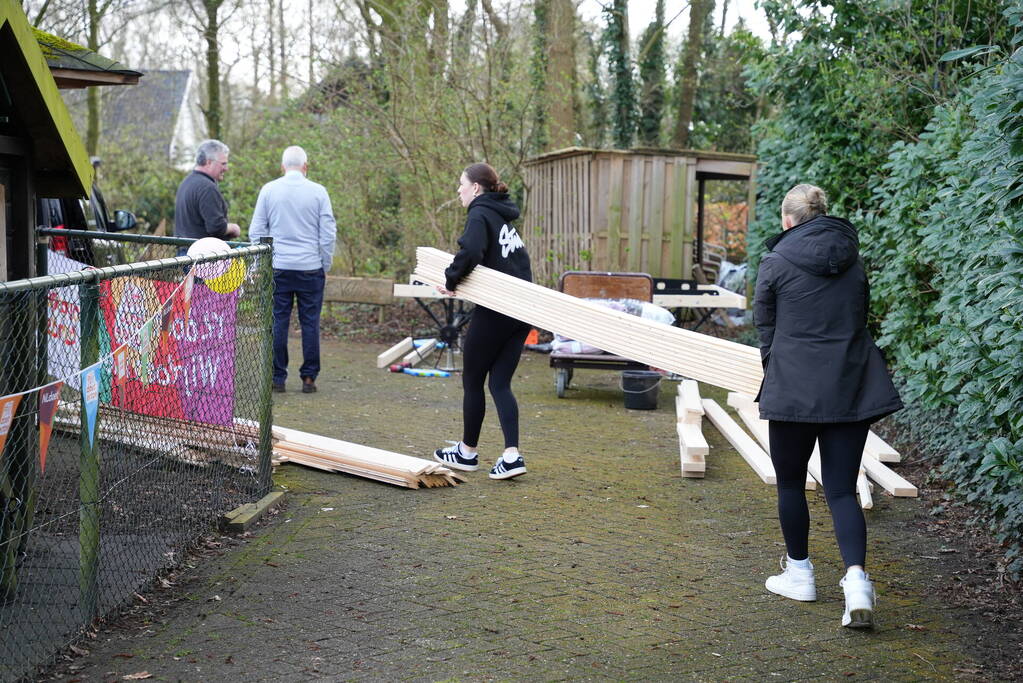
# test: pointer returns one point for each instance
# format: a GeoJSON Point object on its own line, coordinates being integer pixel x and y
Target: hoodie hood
{"type": "Point", "coordinates": [826, 246]}
{"type": "Point", "coordinates": [497, 202]}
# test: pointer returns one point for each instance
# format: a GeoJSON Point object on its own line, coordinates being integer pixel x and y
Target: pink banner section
{"type": "Point", "coordinates": [182, 364]}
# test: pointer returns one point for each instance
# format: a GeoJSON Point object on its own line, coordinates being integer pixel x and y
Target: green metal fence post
{"type": "Point", "coordinates": [265, 401]}
{"type": "Point", "coordinates": [88, 481]}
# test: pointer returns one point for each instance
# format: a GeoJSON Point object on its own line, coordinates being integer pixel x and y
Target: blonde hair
{"type": "Point", "coordinates": [804, 202]}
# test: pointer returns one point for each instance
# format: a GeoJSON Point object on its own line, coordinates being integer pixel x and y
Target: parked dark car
{"type": "Point", "coordinates": [85, 214]}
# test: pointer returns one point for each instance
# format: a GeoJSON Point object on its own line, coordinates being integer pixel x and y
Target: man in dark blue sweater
{"type": "Point", "coordinates": [200, 210]}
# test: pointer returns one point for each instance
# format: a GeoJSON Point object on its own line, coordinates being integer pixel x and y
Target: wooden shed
{"type": "Point", "coordinates": [622, 210]}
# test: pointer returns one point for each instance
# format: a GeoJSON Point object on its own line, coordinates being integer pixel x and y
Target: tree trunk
{"type": "Point", "coordinates": [272, 52]}
{"type": "Point", "coordinates": [211, 34]}
{"type": "Point", "coordinates": [561, 79]}
{"type": "Point", "coordinates": [282, 39]}
{"type": "Point", "coordinates": [690, 73]}
{"type": "Point", "coordinates": [92, 123]}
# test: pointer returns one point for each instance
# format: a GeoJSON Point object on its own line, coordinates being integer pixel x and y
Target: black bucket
{"type": "Point", "coordinates": [641, 388]}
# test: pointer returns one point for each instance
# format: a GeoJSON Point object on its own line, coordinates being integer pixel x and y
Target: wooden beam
{"type": "Point", "coordinates": [394, 353]}
{"type": "Point", "coordinates": [693, 449]}
{"type": "Point", "coordinates": [723, 299]}
{"type": "Point", "coordinates": [420, 353]}
{"type": "Point", "coordinates": [701, 357]}
{"type": "Point", "coordinates": [688, 406]}
{"type": "Point", "coordinates": [365, 290]}
{"type": "Point", "coordinates": [747, 411]}
{"type": "Point", "coordinates": [888, 479]}
{"type": "Point", "coordinates": [879, 450]}
{"type": "Point", "coordinates": [753, 454]}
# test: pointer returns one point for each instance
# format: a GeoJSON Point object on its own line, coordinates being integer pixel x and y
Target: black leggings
{"type": "Point", "coordinates": [493, 346]}
{"type": "Point", "coordinates": [841, 447]}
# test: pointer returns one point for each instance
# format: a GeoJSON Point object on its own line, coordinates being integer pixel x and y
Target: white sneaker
{"type": "Point", "coordinates": [793, 582]}
{"type": "Point", "coordinates": [859, 602]}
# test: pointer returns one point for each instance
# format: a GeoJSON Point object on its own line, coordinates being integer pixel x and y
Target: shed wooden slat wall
{"type": "Point", "coordinates": [617, 210]}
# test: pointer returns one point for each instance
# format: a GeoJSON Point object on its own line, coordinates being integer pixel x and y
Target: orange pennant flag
{"type": "Point", "coordinates": [49, 397]}
{"type": "Point", "coordinates": [8, 407]}
{"type": "Point", "coordinates": [120, 370]}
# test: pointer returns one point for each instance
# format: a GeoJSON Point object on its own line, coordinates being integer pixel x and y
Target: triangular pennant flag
{"type": "Point", "coordinates": [120, 370]}
{"type": "Point", "coordinates": [186, 294]}
{"type": "Point", "coordinates": [166, 318]}
{"type": "Point", "coordinates": [8, 407]}
{"type": "Point", "coordinates": [90, 395]}
{"type": "Point", "coordinates": [49, 397]}
{"type": "Point", "coordinates": [145, 350]}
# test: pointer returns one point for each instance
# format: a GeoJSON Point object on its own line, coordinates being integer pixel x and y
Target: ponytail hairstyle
{"type": "Point", "coordinates": [486, 176]}
{"type": "Point", "coordinates": [804, 202]}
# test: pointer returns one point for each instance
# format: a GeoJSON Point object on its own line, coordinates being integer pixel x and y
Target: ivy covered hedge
{"type": "Point", "coordinates": [940, 212]}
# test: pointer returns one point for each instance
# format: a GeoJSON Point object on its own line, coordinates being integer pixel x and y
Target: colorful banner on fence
{"type": "Point", "coordinates": [119, 372]}
{"type": "Point", "coordinates": [190, 369]}
{"type": "Point", "coordinates": [63, 350]}
{"type": "Point", "coordinates": [49, 397]}
{"type": "Point", "coordinates": [90, 396]}
{"type": "Point", "coordinates": [8, 407]}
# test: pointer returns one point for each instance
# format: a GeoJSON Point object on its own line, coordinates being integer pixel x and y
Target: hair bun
{"type": "Point", "coordinates": [499, 187]}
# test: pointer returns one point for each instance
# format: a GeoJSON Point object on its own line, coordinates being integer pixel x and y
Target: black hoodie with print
{"type": "Point", "coordinates": [810, 310]}
{"type": "Point", "coordinates": [490, 239]}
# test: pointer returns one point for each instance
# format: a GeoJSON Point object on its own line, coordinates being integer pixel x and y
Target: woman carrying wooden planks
{"type": "Point", "coordinates": [493, 344]}
{"type": "Point", "coordinates": [824, 381]}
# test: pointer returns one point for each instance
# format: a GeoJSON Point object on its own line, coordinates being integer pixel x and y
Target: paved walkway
{"type": "Point", "coordinates": [600, 564]}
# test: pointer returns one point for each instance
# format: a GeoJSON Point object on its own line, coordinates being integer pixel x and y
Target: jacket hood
{"type": "Point", "coordinates": [497, 202]}
{"type": "Point", "coordinates": [825, 245]}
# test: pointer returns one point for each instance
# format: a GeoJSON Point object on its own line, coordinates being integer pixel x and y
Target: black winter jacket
{"type": "Point", "coordinates": [491, 240]}
{"type": "Point", "coordinates": [810, 309]}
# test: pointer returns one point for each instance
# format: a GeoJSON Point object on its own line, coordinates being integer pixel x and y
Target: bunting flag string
{"type": "Point", "coordinates": [90, 396]}
{"type": "Point", "coordinates": [159, 324]}
{"type": "Point", "coordinates": [8, 406]}
{"type": "Point", "coordinates": [49, 397]}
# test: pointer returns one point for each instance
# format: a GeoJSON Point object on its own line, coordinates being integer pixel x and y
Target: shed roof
{"type": "Point", "coordinates": [61, 164]}
{"type": "Point", "coordinates": [75, 66]}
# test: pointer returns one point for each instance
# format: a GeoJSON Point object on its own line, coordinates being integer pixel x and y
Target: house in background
{"type": "Point", "coordinates": [158, 117]}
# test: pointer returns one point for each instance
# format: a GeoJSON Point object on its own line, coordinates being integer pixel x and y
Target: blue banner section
{"type": "Point", "coordinates": [90, 396]}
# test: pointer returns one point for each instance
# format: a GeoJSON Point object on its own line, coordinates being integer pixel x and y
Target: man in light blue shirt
{"type": "Point", "coordinates": [296, 213]}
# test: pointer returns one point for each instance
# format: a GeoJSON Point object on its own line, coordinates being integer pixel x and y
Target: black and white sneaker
{"type": "Point", "coordinates": [453, 458]}
{"type": "Point", "coordinates": [507, 470]}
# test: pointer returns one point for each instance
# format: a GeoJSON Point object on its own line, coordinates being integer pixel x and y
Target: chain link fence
{"type": "Point", "coordinates": [134, 411]}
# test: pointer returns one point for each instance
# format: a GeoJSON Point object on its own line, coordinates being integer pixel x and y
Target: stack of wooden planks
{"type": "Point", "coordinates": [334, 455]}
{"type": "Point", "coordinates": [735, 367]}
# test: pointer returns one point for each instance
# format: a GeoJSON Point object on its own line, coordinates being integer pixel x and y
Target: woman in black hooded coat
{"type": "Point", "coordinates": [825, 381]}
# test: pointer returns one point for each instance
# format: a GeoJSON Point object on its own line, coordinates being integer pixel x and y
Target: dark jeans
{"type": "Point", "coordinates": [841, 449]}
{"type": "Point", "coordinates": [305, 286]}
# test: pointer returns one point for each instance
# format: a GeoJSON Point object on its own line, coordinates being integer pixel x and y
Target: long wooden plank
{"type": "Point", "coordinates": [889, 480]}
{"type": "Point", "coordinates": [753, 454]}
{"type": "Point", "coordinates": [723, 299]}
{"type": "Point", "coordinates": [421, 352]}
{"type": "Point", "coordinates": [879, 450]}
{"type": "Point", "coordinates": [707, 359]}
{"type": "Point", "coordinates": [746, 409]}
{"type": "Point", "coordinates": [693, 449]}
{"type": "Point", "coordinates": [688, 406]}
{"type": "Point", "coordinates": [394, 353]}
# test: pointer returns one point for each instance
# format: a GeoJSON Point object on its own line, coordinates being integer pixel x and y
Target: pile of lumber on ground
{"type": "Point", "coordinates": [334, 455]}
{"type": "Point", "coordinates": [726, 364]}
{"type": "Point", "coordinates": [693, 449]}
